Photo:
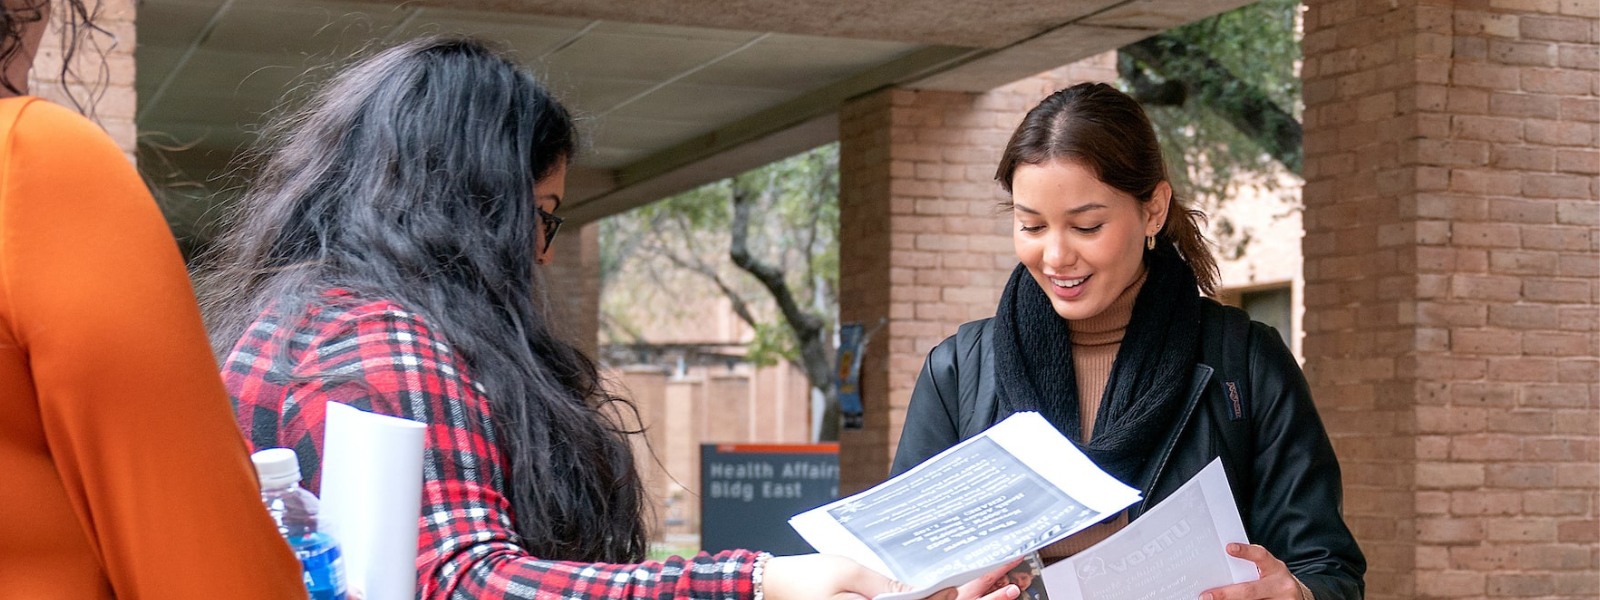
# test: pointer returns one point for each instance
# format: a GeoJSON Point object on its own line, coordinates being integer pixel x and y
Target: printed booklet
{"type": "Point", "coordinates": [1006, 493]}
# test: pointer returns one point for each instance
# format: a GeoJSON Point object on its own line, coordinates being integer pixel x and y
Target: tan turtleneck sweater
{"type": "Point", "coordinates": [1095, 342]}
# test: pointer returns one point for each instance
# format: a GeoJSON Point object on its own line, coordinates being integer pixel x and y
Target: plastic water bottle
{"type": "Point", "coordinates": [295, 511]}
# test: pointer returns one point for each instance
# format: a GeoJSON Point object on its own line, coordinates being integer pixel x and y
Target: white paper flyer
{"type": "Point", "coordinates": [1173, 552]}
{"type": "Point", "coordinates": [372, 498]}
{"type": "Point", "coordinates": [1004, 493]}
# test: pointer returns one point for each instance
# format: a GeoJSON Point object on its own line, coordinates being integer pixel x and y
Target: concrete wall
{"type": "Point", "coordinates": [1451, 288]}
{"type": "Point", "coordinates": [1272, 258]}
{"type": "Point", "coordinates": [707, 405]}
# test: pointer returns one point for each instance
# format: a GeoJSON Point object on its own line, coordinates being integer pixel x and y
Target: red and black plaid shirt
{"type": "Point", "coordinates": [377, 356]}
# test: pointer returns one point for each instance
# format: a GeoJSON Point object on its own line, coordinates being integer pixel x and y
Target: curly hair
{"type": "Point", "coordinates": [76, 23]}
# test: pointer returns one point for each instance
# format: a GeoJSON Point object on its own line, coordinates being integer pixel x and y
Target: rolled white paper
{"type": "Point", "coordinates": [372, 498]}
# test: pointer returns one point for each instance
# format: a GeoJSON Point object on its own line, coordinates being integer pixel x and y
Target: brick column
{"type": "Point", "coordinates": [727, 409]}
{"type": "Point", "coordinates": [685, 427]}
{"type": "Point", "coordinates": [646, 387]}
{"type": "Point", "coordinates": [111, 102]}
{"type": "Point", "coordinates": [921, 242]}
{"type": "Point", "coordinates": [1451, 288]}
{"type": "Point", "coordinates": [573, 279]}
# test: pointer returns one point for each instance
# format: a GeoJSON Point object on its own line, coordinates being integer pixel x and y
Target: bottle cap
{"type": "Point", "coordinates": [276, 467]}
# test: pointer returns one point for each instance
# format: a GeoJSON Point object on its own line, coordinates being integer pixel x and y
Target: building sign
{"type": "Point", "coordinates": [749, 491]}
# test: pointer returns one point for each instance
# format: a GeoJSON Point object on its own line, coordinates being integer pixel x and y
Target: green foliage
{"type": "Point", "coordinates": [660, 552]}
{"type": "Point", "coordinates": [773, 342]}
{"type": "Point", "coordinates": [678, 247]}
{"type": "Point", "coordinates": [1259, 44]}
{"type": "Point", "coordinates": [799, 197]}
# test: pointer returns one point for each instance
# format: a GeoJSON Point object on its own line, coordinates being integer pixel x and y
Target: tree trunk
{"type": "Point", "coordinates": [831, 417]}
{"type": "Point", "coordinates": [817, 354]}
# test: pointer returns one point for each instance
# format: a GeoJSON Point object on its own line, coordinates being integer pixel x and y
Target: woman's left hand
{"type": "Point", "coordinates": [1276, 582]}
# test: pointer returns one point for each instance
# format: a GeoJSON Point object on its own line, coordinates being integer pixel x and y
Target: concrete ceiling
{"type": "Point", "coordinates": [671, 94]}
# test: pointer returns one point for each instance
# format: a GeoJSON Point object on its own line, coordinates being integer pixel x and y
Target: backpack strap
{"type": "Point", "coordinates": [975, 397]}
{"type": "Point", "coordinates": [1226, 349]}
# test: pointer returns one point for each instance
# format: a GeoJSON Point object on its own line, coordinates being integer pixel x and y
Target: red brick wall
{"type": "Point", "coordinates": [573, 279]}
{"type": "Point", "coordinates": [1451, 288]}
{"type": "Point", "coordinates": [922, 244]}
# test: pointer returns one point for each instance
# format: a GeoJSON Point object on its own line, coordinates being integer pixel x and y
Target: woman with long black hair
{"type": "Point", "coordinates": [1103, 330]}
{"type": "Point", "coordinates": [386, 258]}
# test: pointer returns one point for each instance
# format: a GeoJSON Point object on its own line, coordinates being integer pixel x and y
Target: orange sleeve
{"type": "Point", "coordinates": [134, 412]}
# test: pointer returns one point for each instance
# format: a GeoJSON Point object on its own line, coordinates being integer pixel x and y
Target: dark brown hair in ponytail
{"type": "Point", "coordinates": [1105, 130]}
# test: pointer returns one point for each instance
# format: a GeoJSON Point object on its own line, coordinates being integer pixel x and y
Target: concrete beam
{"type": "Point", "coordinates": [794, 126]}
{"type": "Point", "coordinates": [1109, 28]}
{"type": "Point", "coordinates": [971, 23]}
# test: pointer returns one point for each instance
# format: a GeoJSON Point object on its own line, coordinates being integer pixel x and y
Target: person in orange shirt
{"type": "Point", "coordinates": [124, 475]}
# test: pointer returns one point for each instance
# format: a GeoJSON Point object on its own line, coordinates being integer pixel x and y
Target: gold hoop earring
{"type": "Point", "coordinates": [1149, 242]}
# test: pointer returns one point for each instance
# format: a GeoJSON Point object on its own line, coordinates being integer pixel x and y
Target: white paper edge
{"type": "Point", "coordinates": [1214, 485]}
{"type": "Point", "coordinates": [353, 507]}
{"type": "Point", "coordinates": [1213, 482]}
{"type": "Point", "coordinates": [827, 536]}
{"type": "Point", "coordinates": [951, 581]}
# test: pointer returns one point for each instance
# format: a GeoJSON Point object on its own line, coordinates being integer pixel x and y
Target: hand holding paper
{"type": "Point", "coordinates": [1174, 551]}
{"type": "Point", "coordinates": [970, 509]}
{"type": "Point", "coordinates": [1276, 581]}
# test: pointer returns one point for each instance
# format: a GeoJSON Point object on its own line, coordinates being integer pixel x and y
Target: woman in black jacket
{"type": "Point", "coordinates": [1102, 329]}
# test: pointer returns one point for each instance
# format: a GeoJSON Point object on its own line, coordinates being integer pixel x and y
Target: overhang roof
{"type": "Point", "coordinates": [672, 94]}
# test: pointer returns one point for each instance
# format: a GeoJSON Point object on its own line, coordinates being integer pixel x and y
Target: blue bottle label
{"type": "Point", "coordinates": [323, 566]}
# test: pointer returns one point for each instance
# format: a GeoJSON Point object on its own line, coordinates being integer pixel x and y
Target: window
{"type": "Point", "coordinates": [1272, 306]}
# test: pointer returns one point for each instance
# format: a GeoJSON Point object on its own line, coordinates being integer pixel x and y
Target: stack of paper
{"type": "Point", "coordinates": [1016, 488]}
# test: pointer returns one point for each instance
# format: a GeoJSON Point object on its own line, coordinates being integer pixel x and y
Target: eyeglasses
{"type": "Point", "coordinates": [552, 224]}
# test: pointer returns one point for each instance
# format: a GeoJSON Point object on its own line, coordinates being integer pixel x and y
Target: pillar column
{"type": "Point", "coordinates": [1451, 287]}
{"type": "Point", "coordinates": [573, 281]}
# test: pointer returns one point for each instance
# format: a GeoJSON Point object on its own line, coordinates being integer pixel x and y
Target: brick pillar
{"type": "Point", "coordinates": [685, 429]}
{"type": "Point", "coordinates": [727, 408]}
{"type": "Point", "coordinates": [646, 387]}
{"type": "Point", "coordinates": [573, 279]}
{"type": "Point", "coordinates": [1451, 288]}
{"type": "Point", "coordinates": [112, 102]}
{"type": "Point", "coordinates": [921, 242]}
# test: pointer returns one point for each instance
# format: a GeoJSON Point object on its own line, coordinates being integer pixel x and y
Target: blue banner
{"type": "Point", "coordinates": [848, 381]}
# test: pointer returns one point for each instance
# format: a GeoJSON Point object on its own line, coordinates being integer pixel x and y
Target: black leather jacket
{"type": "Point", "coordinates": [1279, 462]}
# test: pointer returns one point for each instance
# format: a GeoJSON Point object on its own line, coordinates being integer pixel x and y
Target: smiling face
{"type": "Point", "coordinates": [1082, 240]}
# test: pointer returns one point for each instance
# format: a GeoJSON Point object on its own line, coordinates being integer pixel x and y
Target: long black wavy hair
{"type": "Point", "coordinates": [410, 177]}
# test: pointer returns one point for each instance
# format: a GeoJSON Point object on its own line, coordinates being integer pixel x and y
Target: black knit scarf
{"type": "Point", "coordinates": [1033, 364]}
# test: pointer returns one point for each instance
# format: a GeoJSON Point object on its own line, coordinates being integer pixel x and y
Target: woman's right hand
{"type": "Point", "coordinates": [833, 577]}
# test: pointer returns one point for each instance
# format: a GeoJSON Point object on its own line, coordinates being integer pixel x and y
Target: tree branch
{"type": "Point", "coordinates": [1243, 105]}
{"type": "Point", "coordinates": [804, 324]}
{"type": "Point", "coordinates": [740, 307]}
{"type": "Point", "coordinates": [815, 358]}
{"type": "Point", "coordinates": [1148, 91]}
